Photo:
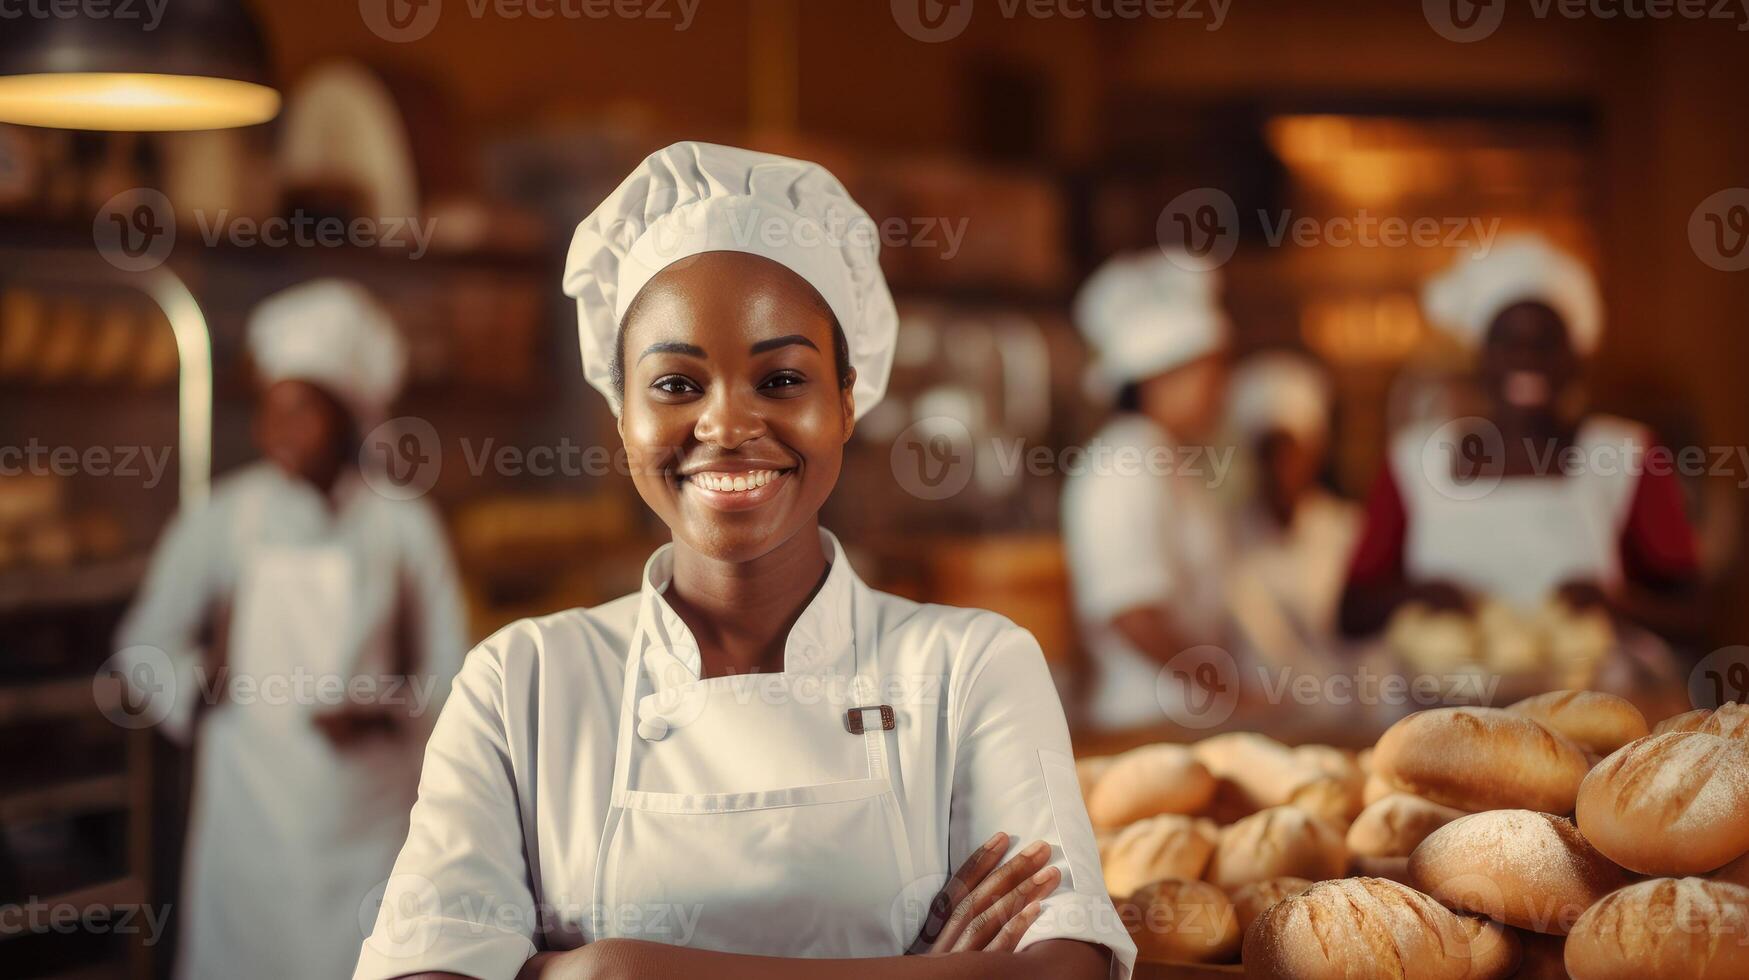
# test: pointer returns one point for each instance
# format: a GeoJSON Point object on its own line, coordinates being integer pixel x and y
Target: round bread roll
{"type": "Point", "coordinates": [1148, 781]}
{"type": "Point", "coordinates": [1731, 720]}
{"type": "Point", "coordinates": [1688, 721]}
{"type": "Point", "coordinates": [1363, 759]}
{"type": "Point", "coordinates": [1687, 928]}
{"type": "Point", "coordinates": [1377, 788]}
{"type": "Point", "coordinates": [1481, 759]}
{"type": "Point", "coordinates": [1670, 804]}
{"type": "Point", "coordinates": [1330, 799]}
{"type": "Point", "coordinates": [1167, 846]}
{"type": "Point", "coordinates": [1527, 869]}
{"type": "Point", "coordinates": [1372, 929]}
{"type": "Point", "coordinates": [1183, 921]}
{"type": "Point", "coordinates": [1088, 771]}
{"type": "Point", "coordinates": [1331, 761]}
{"type": "Point", "coordinates": [1265, 771]}
{"type": "Point", "coordinates": [1280, 842]}
{"type": "Point", "coordinates": [1393, 826]}
{"type": "Point", "coordinates": [1252, 900]}
{"type": "Point", "coordinates": [1596, 722]}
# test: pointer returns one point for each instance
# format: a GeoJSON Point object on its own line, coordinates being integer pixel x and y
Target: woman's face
{"type": "Point", "coordinates": [304, 431]}
{"type": "Point", "coordinates": [1527, 360]}
{"type": "Point", "coordinates": [734, 418]}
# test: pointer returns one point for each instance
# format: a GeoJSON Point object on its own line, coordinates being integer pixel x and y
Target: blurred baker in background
{"type": "Point", "coordinates": [1142, 528]}
{"type": "Point", "coordinates": [1291, 537]}
{"type": "Point", "coordinates": [1535, 499]}
{"type": "Point", "coordinates": [312, 626]}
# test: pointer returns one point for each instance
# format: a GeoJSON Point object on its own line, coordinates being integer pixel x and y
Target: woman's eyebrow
{"type": "Point", "coordinates": [775, 342]}
{"type": "Point", "coordinates": [672, 347]}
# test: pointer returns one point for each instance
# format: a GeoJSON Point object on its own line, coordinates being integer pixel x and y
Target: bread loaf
{"type": "Point", "coordinates": [1687, 928]}
{"type": "Point", "coordinates": [1280, 842]}
{"type": "Point", "coordinates": [1166, 846]}
{"type": "Point", "coordinates": [1088, 771]}
{"type": "Point", "coordinates": [1596, 722]}
{"type": "Point", "coordinates": [1250, 901]}
{"type": "Point", "coordinates": [1527, 869]}
{"type": "Point", "coordinates": [1182, 921]}
{"type": "Point", "coordinates": [1737, 872]}
{"type": "Point", "coordinates": [1367, 928]}
{"type": "Point", "coordinates": [1330, 799]}
{"type": "Point", "coordinates": [1148, 781]}
{"type": "Point", "coordinates": [1671, 804]}
{"type": "Point", "coordinates": [1264, 770]}
{"type": "Point", "coordinates": [1481, 759]}
{"type": "Point", "coordinates": [1731, 720]}
{"type": "Point", "coordinates": [1393, 826]}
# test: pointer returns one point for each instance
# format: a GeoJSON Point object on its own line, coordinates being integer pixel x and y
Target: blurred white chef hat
{"type": "Point", "coordinates": [1147, 313]}
{"type": "Point", "coordinates": [1465, 299]}
{"type": "Point", "coordinates": [1279, 390]}
{"type": "Point", "coordinates": [334, 334]}
{"type": "Point", "coordinates": [699, 197]}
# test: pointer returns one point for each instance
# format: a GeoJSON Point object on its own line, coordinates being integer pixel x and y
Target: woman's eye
{"type": "Point", "coordinates": [674, 384]}
{"type": "Point", "coordinates": [784, 379]}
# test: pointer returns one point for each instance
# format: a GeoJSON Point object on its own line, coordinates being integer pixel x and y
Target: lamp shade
{"type": "Point", "coordinates": [181, 64]}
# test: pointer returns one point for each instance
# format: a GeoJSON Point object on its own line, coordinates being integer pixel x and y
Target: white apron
{"type": "Point", "coordinates": [748, 816]}
{"type": "Point", "coordinates": [288, 833]}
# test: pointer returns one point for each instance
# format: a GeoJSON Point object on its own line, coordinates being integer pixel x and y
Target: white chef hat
{"type": "Point", "coordinates": [334, 334]}
{"type": "Point", "coordinates": [1279, 390]}
{"type": "Point", "coordinates": [1465, 299]}
{"type": "Point", "coordinates": [1147, 313]}
{"type": "Point", "coordinates": [699, 197]}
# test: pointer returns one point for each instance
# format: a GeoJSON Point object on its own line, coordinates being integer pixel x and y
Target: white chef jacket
{"type": "Point", "coordinates": [1141, 527]}
{"type": "Point", "coordinates": [288, 832]}
{"type": "Point", "coordinates": [1285, 583]}
{"type": "Point", "coordinates": [502, 854]}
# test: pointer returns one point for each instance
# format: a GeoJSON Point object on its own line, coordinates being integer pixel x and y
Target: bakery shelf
{"type": "Point", "coordinates": [111, 894]}
{"type": "Point", "coordinates": [97, 583]}
{"type": "Point", "coordinates": [63, 698]}
{"type": "Point", "coordinates": [70, 798]}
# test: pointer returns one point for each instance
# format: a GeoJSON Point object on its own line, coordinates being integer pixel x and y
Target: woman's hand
{"type": "Point", "coordinates": [985, 907]}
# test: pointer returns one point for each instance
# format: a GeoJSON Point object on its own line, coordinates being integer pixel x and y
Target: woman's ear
{"type": "Point", "coordinates": [847, 400]}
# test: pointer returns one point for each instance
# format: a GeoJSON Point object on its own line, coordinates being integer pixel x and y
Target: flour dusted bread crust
{"type": "Point", "coordinates": [1148, 781]}
{"type": "Point", "coordinates": [1737, 872]}
{"type": "Point", "coordinates": [1251, 901]}
{"type": "Point", "coordinates": [1670, 804]}
{"type": "Point", "coordinates": [1367, 928]}
{"type": "Point", "coordinates": [1731, 720]}
{"type": "Point", "coordinates": [1263, 770]}
{"type": "Point", "coordinates": [1088, 770]}
{"type": "Point", "coordinates": [1687, 928]}
{"type": "Point", "coordinates": [1596, 722]}
{"type": "Point", "coordinates": [1183, 921]}
{"type": "Point", "coordinates": [1524, 868]}
{"type": "Point", "coordinates": [1393, 826]}
{"type": "Point", "coordinates": [1481, 759]}
{"type": "Point", "coordinates": [1280, 842]}
{"type": "Point", "coordinates": [1166, 846]}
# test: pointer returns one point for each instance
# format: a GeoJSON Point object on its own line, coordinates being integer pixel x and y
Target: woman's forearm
{"type": "Point", "coordinates": [630, 959]}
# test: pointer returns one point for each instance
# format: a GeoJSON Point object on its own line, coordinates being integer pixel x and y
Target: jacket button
{"type": "Point", "coordinates": [652, 728]}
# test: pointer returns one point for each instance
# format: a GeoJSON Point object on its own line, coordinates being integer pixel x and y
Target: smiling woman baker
{"type": "Point", "coordinates": [756, 766]}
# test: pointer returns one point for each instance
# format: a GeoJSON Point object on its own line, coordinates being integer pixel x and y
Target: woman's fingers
{"type": "Point", "coordinates": [970, 874]}
{"type": "Point", "coordinates": [985, 929]}
{"type": "Point", "coordinates": [1007, 878]}
{"type": "Point", "coordinates": [1009, 938]}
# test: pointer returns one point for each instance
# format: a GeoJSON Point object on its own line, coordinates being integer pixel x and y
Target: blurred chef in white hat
{"type": "Point", "coordinates": [755, 762]}
{"type": "Point", "coordinates": [1534, 499]}
{"type": "Point", "coordinates": [312, 627]}
{"type": "Point", "coordinates": [1143, 529]}
{"type": "Point", "coordinates": [1291, 537]}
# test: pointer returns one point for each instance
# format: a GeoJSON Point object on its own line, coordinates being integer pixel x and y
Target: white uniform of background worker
{"type": "Point", "coordinates": [1292, 539]}
{"type": "Point", "coordinates": [1142, 528]}
{"type": "Point", "coordinates": [315, 593]}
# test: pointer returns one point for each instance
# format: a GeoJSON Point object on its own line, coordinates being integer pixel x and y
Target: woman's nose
{"type": "Point", "coordinates": [729, 418]}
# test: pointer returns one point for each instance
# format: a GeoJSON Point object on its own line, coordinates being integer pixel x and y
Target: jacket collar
{"type": "Point", "coordinates": [822, 641]}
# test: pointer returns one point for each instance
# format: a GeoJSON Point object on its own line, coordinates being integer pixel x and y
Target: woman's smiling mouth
{"type": "Point", "coordinates": [735, 490]}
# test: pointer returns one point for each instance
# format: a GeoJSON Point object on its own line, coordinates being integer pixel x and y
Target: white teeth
{"type": "Point", "coordinates": [734, 483]}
